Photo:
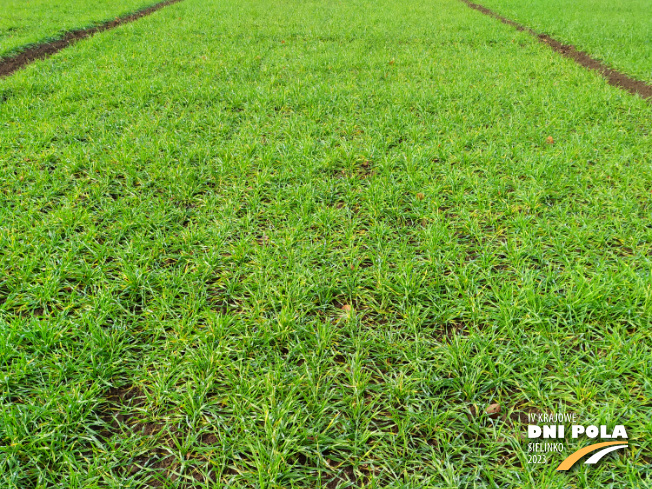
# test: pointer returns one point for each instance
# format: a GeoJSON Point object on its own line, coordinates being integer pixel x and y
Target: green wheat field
{"type": "Point", "coordinates": [313, 244]}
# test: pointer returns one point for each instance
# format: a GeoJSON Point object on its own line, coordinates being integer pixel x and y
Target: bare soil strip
{"type": "Point", "coordinates": [613, 77]}
{"type": "Point", "coordinates": [44, 50]}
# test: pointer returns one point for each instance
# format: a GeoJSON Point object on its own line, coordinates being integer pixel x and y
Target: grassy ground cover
{"type": "Point", "coordinates": [24, 23]}
{"type": "Point", "coordinates": [619, 33]}
{"type": "Point", "coordinates": [297, 244]}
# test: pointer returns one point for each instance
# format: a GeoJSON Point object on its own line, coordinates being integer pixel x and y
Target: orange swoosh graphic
{"type": "Point", "coordinates": [571, 459]}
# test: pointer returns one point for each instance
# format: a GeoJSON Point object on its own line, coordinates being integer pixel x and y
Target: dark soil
{"type": "Point", "coordinates": [613, 77]}
{"type": "Point", "coordinates": [44, 50]}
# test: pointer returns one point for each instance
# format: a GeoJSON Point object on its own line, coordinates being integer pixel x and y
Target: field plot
{"type": "Point", "coordinates": [619, 33]}
{"type": "Point", "coordinates": [23, 23]}
{"type": "Point", "coordinates": [305, 244]}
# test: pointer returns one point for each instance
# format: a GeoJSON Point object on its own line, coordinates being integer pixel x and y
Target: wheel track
{"type": "Point", "coordinates": [44, 50]}
{"type": "Point", "coordinates": [613, 77]}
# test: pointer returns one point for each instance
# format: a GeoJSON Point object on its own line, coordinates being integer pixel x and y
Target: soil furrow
{"type": "Point", "coordinates": [613, 77]}
{"type": "Point", "coordinates": [46, 49]}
